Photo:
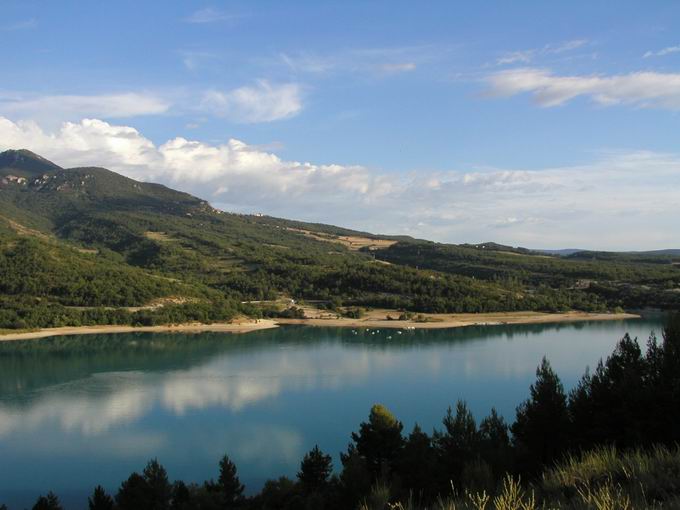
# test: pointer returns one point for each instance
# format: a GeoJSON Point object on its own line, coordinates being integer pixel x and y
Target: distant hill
{"type": "Point", "coordinates": [491, 246]}
{"type": "Point", "coordinates": [561, 253]}
{"type": "Point", "coordinates": [590, 253]}
{"type": "Point", "coordinates": [87, 245]}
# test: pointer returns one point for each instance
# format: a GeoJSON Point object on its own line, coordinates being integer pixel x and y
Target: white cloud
{"type": "Point", "coordinates": [75, 107]}
{"type": "Point", "coordinates": [625, 200]}
{"type": "Point", "coordinates": [663, 52]}
{"type": "Point", "coordinates": [514, 57]}
{"type": "Point", "coordinates": [364, 61]}
{"type": "Point", "coordinates": [526, 56]}
{"type": "Point", "coordinates": [402, 67]}
{"type": "Point", "coordinates": [644, 89]}
{"type": "Point", "coordinates": [565, 46]}
{"type": "Point", "coordinates": [262, 102]}
{"type": "Point", "coordinates": [208, 15]}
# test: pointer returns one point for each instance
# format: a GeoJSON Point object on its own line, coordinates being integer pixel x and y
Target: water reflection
{"type": "Point", "coordinates": [77, 411]}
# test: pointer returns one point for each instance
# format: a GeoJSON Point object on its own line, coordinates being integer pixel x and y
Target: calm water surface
{"type": "Point", "coordinates": [82, 410]}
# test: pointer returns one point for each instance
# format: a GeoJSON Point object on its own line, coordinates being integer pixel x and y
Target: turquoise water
{"type": "Point", "coordinates": [78, 411]}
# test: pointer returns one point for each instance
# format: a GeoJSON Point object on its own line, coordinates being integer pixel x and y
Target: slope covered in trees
{"type": "Point", "coordinates": [93, 238]}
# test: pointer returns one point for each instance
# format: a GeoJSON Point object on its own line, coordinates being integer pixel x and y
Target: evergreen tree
{"type": "Point", "coordinates": [279, 494]}
{"type": "Point", "coordinates": [664, 384]}
{"type": "Point", "coordinates": [228, 489]}
{"type": "Point", "coordinates": [181, 497]}
{"type": "Point", "coordinates": [134, 493]}
{"type": "Point", "coordinates": [494, 443]}
{"type": "Point", "coordinates": [315, 470]}
{"type": "Point", "coordinates": [541, 428]}
{"type": "Point", "coordinates": [614, 405]}
{"type": "Point", "coordinates": [100, 500]}
{"type": "Point", "coordinates": [379, 440]}
{"type": "Point", "coordinates": [159, 488]}
{"type": "Point", "coordinates": [417, 466]}
{"type": "Point", "coordinates": [458, 444]}
{"type": "Point", "coordinates": [355, 478]}
{"type": "Point", "coordinates": [49, 502]}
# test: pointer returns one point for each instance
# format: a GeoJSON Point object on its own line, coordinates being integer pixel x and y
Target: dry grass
{"type": "Point", "coordinates": [603, 479]}
{"type": "Point", "coordinates": [161, 237]}
{"type": "Point", "coordinates": [25, 231]}
{"type": "Point", "coordinates": [354, 243]}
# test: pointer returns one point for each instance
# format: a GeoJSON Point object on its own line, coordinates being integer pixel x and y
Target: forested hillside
{"type": "Point", "coordinates": [79, 244]}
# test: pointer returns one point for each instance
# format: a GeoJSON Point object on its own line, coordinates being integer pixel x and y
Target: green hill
{"type": "Point", "coordinates": [94, 239]}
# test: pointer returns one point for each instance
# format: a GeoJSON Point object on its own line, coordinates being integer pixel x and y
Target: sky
{"type": "Point", "coordinates": [531, 123]}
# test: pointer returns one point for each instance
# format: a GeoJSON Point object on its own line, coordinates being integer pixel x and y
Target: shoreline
{"type": "Point", "coordinates": [226, 327]}
{"type": "Point", "coordinates": [433, 321]}
{"type": "Point", "coordinates": [460, 320]}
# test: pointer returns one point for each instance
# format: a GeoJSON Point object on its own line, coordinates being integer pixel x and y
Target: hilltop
{"type": "Point", "coordinates": [89, 246]}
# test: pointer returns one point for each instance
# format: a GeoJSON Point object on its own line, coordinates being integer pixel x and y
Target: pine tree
{"type": "Point", "coordinates": [541, 428]}
{"type": "Point", "coordinates": [133, 493]}
{"type": "Point", "coordinates": [100, 500]}
{"type": "Point", "coordinates": [49, 502]}
{"type": "Point", "coordinates": [379, 440]}
{"type": "Point", "coordinates": [315, 470]}
{"type": "Point", "coordinates": [228, 489]}
{"type": "Point", "coordinates": [458, 444]}
{"type": "Point", "coordinates": [160, 490]}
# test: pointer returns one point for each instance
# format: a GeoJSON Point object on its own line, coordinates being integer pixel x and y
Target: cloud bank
{"type": "Point", "coordinates": [623, 200]}
{"type": "Point", "coordinates": [643, 89]}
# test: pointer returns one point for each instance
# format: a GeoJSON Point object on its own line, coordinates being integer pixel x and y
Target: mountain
{"type": "Point", "coordinates": [87, 245]}
{"type": "Point", "coordinates": [24, 163]}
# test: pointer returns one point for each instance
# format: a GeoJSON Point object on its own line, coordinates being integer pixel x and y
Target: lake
{"type": "Point", "coordinates": [79, 411]}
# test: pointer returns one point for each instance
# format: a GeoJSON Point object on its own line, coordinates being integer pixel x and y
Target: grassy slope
{"type": "Point", "coordinates": [602, 479]}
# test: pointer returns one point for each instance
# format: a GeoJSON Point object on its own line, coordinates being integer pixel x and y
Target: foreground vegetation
{"type": "Point", "coordinates": [611, 443]}
{"type": "Point", "coordinates": [78, 246]}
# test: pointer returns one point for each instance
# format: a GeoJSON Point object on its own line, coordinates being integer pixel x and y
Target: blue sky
{"type": "Point", "coordinates": [531, 123]}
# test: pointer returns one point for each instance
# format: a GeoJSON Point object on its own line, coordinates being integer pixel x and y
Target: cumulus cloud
{"type": "Point", "coordinates": [663, 52]}
{"type": "Point", "coordinates": [637, 192]}
{"type": "Point", "coordinates": [75, 107]}
{"type": "Point", "coordinates": [262, 102]}
{"type": "Point", "coordinates": [644, 89]}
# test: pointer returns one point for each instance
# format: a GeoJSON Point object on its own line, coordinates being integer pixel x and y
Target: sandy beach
{"type": "Point", "coordinates": [378, 319]}
{"type": "Point", "coordinates": [232, 327]}
{"type": "Point", "coordinates": [373, 319]}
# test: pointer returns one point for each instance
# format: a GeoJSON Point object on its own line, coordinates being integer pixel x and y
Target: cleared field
{"type": "Point", "coordinates": [158, 236]}
{"type": "Point", "coordinates": [354, 243]}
